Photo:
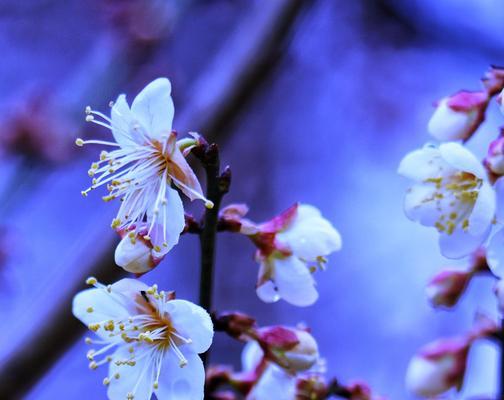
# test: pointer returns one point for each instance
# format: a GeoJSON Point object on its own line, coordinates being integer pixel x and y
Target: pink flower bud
{"type": "Point", "coordinates": [235, 324]}
{"type": "Point", "coordinates": [458, 116]}
{"type": "Point", "coordinates": [494, 160]}
{"type": "Point", "coordinates": [438, 367]}
{"type": "Point", "coordinates": [446, 288]}
{"type": "Point", "coordinates": [293, 349]}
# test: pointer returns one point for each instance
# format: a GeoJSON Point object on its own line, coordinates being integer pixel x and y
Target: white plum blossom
{"type": "Point", "coordinates": [150, 341]}
{"type": "Point", "coordinates": [458, 116]}
{"type": "Point", "coordinates": [145, 161]}
{"type": "Point", "coordinates": [451, 193]}
{"type": "Point", "coordinates": [290, 248]}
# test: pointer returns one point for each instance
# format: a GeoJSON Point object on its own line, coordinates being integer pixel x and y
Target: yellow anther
{"type": "Point", "coordinates": [84, 192]}
{"type": "Point", "coordinates": [106, 381]}
{"type": "Point", "coordinates": [117, 376]}
{"type": "Point", "coordinates": [183, 363]}
{"type": "Point", "coordinates": [109, 326]}
{"type": "Point", "coordinates": [94, 165]}
{"type": "Point", "coordinates": [131, 363]}
{"type": "Point", "coordinates": [91, 281]}
{"type": "Point", "coordinates": [131, 349]}
{"type": "Point", "coordinates": [91, 173]}
{"type": "Point", "coordinates": [89, 309]}
{"type": "Point", "coordinates": [103, 155]}
{"type": "Point", "coordinates": [87, 110]}
{"type": "Point", "coordinates": [157, 248]}
{"type": "Point", "coordinates": [90, 355]}
{"type": "Point", "coordinates": [147, 237]}
{"type": "Point", "coordinates": [130, 396]}
{"type": "Point", "coordinates": [88, 340]}
{"type": "Point", "coordinates": [94, 327]}
{"type": "Point", "coordinates": [155, 385]}
{"type": "Point", "coordinates": [209, 204]}
{"type": "Point", "coordinates": [79, 142]}
{"type": "Point", "coordinates": [93, 365]}
{"type": "Point", "coordinates": [116, 222]}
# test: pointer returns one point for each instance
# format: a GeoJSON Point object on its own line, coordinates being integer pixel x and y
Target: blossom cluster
{"type": "Point", "coordinates": [462, 198]}
{"type": "Point", "coordinates": [147, 339]}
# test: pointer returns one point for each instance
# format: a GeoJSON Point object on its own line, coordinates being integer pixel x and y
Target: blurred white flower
{"type": "Point", "coordinates": [290, 248]}
{"type": "Point", "coordinates": [452, 194]}
{"type": "Point", "coordinates": [458, 116]}
{"type": "Point", "coordinates": [438, 367]}
{"type": "Point", "coordinates": [148, 159]}
{"type": "Point", "coordinates": [495, 247]}
{"type": "Point", "coordinates": [150, 341]}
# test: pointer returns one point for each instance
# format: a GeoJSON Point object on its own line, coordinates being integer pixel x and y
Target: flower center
{"type": "Point", "coordinates": [454, 198]}
{"type": "Point", "coordinates": [148, 333]}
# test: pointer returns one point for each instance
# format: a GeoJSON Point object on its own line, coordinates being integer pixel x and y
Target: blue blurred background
{"type": "Point", "coordinates": [313, 101]}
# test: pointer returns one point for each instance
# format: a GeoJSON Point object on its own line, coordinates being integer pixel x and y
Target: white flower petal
{"type": "Point", "coordinates": [267, 292]}
{"type": "Point", "coordinates": [251, 356]}
{"type": "Point", "coordinates": [153, 108]}
{"type": "Point", "coordinates": [460, 243]}
{"type": "Point", "coordinates": [186, 383]}
{"type": "Point", "coordinates": [133, 256]}
{"type": "Point", "coordinates": [136, 379]}
{"type": "Point", "coordinates": [420, 204]}
{"type": "Point", "coordinates": [495, 253]}
{"type": "Point", "coordinates": [461, 158]}
{"type": "Point", "coordinates": [122, 121]}
{"type": "Point", "coordinates": [96, 305]}
{"type": "Point", "coordinates": [483, 211]}
{"type": "Point", "coordinates": [175, 223]}
{"type": "Point", "coordinates": [310, 235]}
{"type": "Point", "coordinates": [193, 322]}
{"type": "Point", "coordinates": [102, 306]}
{"type": "Point", "coordinates": [422, 164]}
{"type": "Point", "coordinates": [499, 194]}
{"type": "Point", "coordinates": [294, 282]}
{"type": "Point", "coordinates": [276, 384]}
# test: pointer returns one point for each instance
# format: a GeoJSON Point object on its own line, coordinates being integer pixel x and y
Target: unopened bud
{"type": "Point", "coordinates": [446, 288]}
{"type": "Point", "coordinates": [494, 160]}
{"type": "Point", "coordinates": [438, 367]}
{"type": "Point", "coordinates": [458, 116]}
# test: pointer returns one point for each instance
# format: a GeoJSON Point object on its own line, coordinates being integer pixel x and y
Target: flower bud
{"type": "Point", "coordinates": [446, 288]}
{"type": "Point", "coordinates": [293, 349]}
{"type": "Point", "coordinates": [494, 160]}
{"type": "Point", "coordinates": [438, 367]}
{"type": "Point", "coordinates": [135, 254]}
{"type": "Point", "coordinates": [458, 116]}
{"type": "Point", "coordinates": [235, 324]}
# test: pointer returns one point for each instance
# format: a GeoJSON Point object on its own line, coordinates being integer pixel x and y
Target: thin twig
{"type": "Point", "coordinates": [217, 186]}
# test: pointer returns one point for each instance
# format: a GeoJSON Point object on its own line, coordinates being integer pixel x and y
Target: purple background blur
{"type": "Point", "coordinates": [346, 94]}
